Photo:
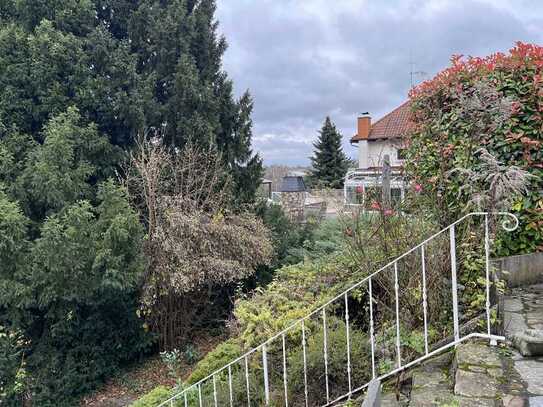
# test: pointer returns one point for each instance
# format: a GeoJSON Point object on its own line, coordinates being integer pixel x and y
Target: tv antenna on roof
{"type": "Point", "coordinates": [412, 72]}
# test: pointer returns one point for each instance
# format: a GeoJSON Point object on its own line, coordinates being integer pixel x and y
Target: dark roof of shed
{"type": "Point", "coordinates": [292, 183]}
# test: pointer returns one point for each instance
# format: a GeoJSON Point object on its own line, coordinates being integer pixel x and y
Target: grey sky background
{"type": "Point", "coordinates": [305, 59]}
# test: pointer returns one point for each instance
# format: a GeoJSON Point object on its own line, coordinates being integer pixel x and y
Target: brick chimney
{"type": "Point", "coordinates": [364, 126]}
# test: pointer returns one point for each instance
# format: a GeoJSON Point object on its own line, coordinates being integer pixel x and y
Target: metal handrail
{"type": "Point", "coordinates": [507, 224]}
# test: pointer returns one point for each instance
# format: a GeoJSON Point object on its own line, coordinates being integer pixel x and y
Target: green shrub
{"type": "Point", "coordinates": [154, 397]}
{"type": "Point", "coordinates": [217, 358]}
{"type": "Point", "coordinates": [337, 369]}
{"type": "Point", "coordinates": [286, 235]}
{"type": "Point", "coordinates": [293, 293]}
{"type": "Point", "coordinates": [191, 354]}
{"type": "Point", "coordinates": [360, 356]}
{"type": "Point", "coordinates": [495, 103]}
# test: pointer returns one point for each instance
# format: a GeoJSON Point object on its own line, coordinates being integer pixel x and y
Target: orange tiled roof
{"type": "Point", "coordinates": [393, 125]}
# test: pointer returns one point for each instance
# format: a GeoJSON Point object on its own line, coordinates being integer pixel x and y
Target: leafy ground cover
{"type": "Point", "coordinates": [141, 377]}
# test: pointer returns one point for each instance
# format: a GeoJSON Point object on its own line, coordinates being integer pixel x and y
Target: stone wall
{"type": "Point", "coordinates": [293, 205]}
{"type": "Point", "coordinates": [520, 270]}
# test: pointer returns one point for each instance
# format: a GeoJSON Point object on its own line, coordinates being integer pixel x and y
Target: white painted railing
{"type": "Point", "coordinates": [254, 394]}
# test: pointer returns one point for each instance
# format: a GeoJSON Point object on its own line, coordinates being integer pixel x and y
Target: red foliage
{"type": "Point", "coordinates": [448, 126]}
{"type": "Point", "coordinates": [520, 55]}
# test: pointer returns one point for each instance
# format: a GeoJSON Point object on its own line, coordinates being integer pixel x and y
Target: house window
{"type": "Point", "coordinates": [396, 195]}
{"type": "Point", "coordinates": [401, 153]}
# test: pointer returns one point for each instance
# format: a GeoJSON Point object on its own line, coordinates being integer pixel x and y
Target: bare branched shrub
{"type": "Point", "coordinates": [484, 108]}
{"type": "Point", "coordinates": [195, 242]}
{"type": "Point", "coordinates": [197, 248]}
{"type": "Point", "coordinates": [377, 237]}
{"type": "Point", "coordinates": [378, 234]}
{"type": "Point", "coordinates": [492, 185]}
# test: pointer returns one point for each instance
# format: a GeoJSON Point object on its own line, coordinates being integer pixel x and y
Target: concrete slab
{"type": "Point", "coordinates": [531, 372]}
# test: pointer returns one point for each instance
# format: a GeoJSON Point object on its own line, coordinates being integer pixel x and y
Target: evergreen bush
{"type": "Point", "coordinates": [476, 108]}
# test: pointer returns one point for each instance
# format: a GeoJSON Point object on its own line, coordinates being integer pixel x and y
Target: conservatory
{"type": "Point", "coordinates": [363, 187]}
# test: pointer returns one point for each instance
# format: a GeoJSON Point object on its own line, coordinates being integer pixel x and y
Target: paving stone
{"type": "Point", "coordinates": [535, 401]}
{"type": "Point", "coordinates": [531, 371]}
{"type": "Point", "coordinates": [470, 402]}
{"type": "Point", "coordinates": [512, 305]}
{"type": "Point", "coordinates": [476, 369]}
{"type": "Point", "coordinates": [529, 342]}
{"type": "Point", "coordinates": [475, 353]}
{"type": "Point", "coordinates": [428, 379]}
{"type": "Point", "coordinates": [431, 397]}
{"type": "Point", "coordinates": [513, 322]}
{"type": "Point", "coordinates": [470, 384]}
{"type": "Point", "coordinates": [373, 395]}
{"type": "Point", "coordinates": [516, 388]}
{"type": "Point", "coordinates": [533, 322]}
{"type": "Point", "coordinates": [515, 355]}
{"type": "Point", "coordinates": [389, 400]}
{"type": "Point", "coordinates": [439, 362]}
{"type": "Point", "coordinates": [511, 400]}
{"type": "Point", "coordinates": [495, 372]}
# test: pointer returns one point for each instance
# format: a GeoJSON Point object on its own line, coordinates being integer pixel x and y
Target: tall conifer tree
{"type": "Point", "coordinates": [79, 80]}
{"type": "Point", "coordinates": [127, 65]}
{"type": "Point", "coordinates": [329, 162]}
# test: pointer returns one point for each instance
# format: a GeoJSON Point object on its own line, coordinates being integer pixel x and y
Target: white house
{"type": "Point", "coordinates": [374, 142]}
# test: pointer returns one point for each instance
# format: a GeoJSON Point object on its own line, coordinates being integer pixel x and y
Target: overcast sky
{"type": "Point", "coordinates": [305, 59]}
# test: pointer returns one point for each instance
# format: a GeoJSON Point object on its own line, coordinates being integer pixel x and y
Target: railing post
{"type": "Point", "coordinates": [247, 382]}
{"type": "Point", "coordinates": [454, 283]}
{"type": "Point", "coordinates": [230, 390]}
{"type": "Point", "coordinates": [200, 395]}
{"type": "Point", "coordinates": [285, 381]}
{"type": "Point", "coordinates": [493, 342]}
{"type": "Point", "coordinates": [305, 362]}
{"type": "Point", "coordinates": [215, 391]}
{"type": "Point", "coordinates": [266, 378]}
{"type": "Point", "coordinates": [325, 349]}
{"type": "Point", "coordinates": [424, 298]}
{"type": "Point", "coordinates": [396, 290]}
{"type": "Point", "coordinates": [186, 401]}
{"type": "Point", "coordinates": [348, 343]}
{"type": "Point", "coordinates": [372, 339]}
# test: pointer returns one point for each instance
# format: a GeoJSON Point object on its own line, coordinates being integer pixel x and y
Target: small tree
{"type": "Point", "coordinates": [329, 161]}
{"type": "Point", "coordinates": [196, 244]}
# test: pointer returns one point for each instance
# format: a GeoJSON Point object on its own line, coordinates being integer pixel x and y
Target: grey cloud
{"type": "Point", "coordinates": [303, 60]}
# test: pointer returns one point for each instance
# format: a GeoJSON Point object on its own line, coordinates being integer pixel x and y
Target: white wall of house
{"type": "Point", "coordinates": [371, 153]}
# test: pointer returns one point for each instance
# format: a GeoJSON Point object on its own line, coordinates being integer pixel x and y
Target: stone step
{"type": "Point", "coordinates": [476, 374]}
{"type": "Point", "coordinates": [529, 342]}
{"type": "Point", "coordinates": [523, 322]}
